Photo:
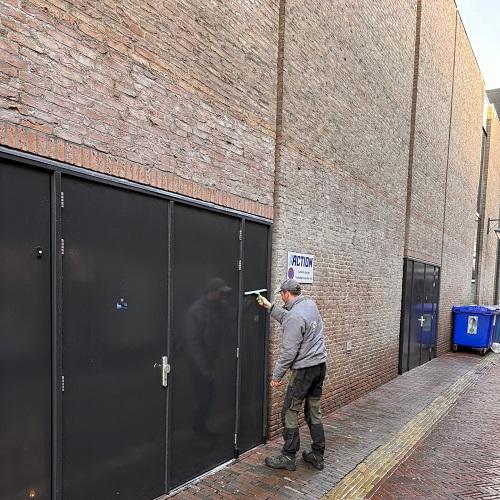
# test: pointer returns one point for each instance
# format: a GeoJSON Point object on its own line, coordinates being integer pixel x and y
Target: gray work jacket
{"type": "Point", "coordinates": [303, 343]}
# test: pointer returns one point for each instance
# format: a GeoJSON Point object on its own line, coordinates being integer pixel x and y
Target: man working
{"type": "Point", "coordinates": [303, 351]}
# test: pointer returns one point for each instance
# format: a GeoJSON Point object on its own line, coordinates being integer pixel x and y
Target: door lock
{"type": "Point", "coordinates": [165, 370]}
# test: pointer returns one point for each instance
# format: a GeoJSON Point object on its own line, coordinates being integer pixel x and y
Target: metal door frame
{"type": "Point", "coordinates": [56, 228]}
{"type": "Point", "coordinates": [58, 168]}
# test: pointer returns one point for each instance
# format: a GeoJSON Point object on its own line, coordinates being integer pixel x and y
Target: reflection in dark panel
{"type": "Point", "coordinates": [435, 302]}
{"type": "Point", "coordinates": [114, 331]}
{"type": "Point", "coordinates": [406, 316]}
{"type": "Point", "coordinates": [417, 314]}
{"type": "Point", "coordinates": [252, 347]}
{"type": "Point", "coordinates": [428, 313]}
{"type": "Point", "coordinates": [205, 299]}
{"type": "Point", "coordinates": [25, 333]}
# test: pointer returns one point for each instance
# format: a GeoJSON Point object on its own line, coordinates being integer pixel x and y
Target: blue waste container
{"type": "Point", "coordinates": [473, 326]}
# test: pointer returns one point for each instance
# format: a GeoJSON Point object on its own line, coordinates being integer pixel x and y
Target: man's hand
{"type": "Point", "coordinates": [263, 302]}
{"type": "Point", "coordinates": [275, 383]}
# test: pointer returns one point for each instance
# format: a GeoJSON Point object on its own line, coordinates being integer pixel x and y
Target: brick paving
{"type": "Point", "coordinates": [354, 433]}
{"type": "Point", "coordinates": [460, 458]}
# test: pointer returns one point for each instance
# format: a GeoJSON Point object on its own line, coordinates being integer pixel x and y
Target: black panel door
{"type": "Point", "coordinates": [205, 301]}
{"type": "Point", "coordinates": [419, 312]}
{"type": "Point", "coordinates": [253, 332]}
{"type": "Point", "coordinates": [25, 333]}
{"type": "Point", "coordinates": [114, 332]}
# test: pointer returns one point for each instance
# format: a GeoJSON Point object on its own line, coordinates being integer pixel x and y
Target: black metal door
{"type": "Point", "coordinates": [253, 338]}
{"type": "Point", "coordinates": [114, 332]}
{"type": "Point", "coordinates": [418, 314]}
{"type": "Point", "coordinates": [205, 290]}
{"type": "Point", "coordinates": [25, 333]}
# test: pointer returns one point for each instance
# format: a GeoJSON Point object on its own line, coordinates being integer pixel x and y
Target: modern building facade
{"type": "Point", "coordinates": [158, 163]}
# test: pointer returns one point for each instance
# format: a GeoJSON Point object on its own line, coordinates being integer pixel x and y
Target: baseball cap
{"type": "Point", "coordinates": [217, 285]}
{"type": "Point", "coordinates": [290, 286]}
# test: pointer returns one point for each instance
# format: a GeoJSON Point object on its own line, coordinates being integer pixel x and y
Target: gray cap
{"type": "Point", "coordinates": [290, 286]}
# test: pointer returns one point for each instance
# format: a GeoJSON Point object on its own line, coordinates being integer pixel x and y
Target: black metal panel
{"type": "Point", "coordinates": [25, 333]}
{"type": "Point", "coordinates": [428, 327]}
{"type": "Point", "coordinates": [253, 332]}
{"type": "Point", "coordinates": [202, 409]}
{"type": "Point", "coordinates": [416, 315]}
{"type": "Point", "coordinates": [435, 308]}
{"type": "Point", "coordinates": [114, 331]}
{"type": "Point", "coordinates": [405, 330]}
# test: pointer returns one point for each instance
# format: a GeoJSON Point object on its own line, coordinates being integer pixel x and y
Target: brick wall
{"type": "Point", "coordinates": [340, 193]}
{"type": "Point", "coordinates": [431, 131]}
{"type": "Point", "coordinates": [488, 253]}
{"type": "Point", "coordinates": [462, 185]}
{"type": "Point", "coordinates": [186, 98]}
{"type": "Point", "coordinates": [186, 101]}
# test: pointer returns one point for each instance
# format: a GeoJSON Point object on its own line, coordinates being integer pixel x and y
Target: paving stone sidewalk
{"type": "Point", "coordinates": [460, 458]}
{"type": "Point", "coordinates": [365, 439]}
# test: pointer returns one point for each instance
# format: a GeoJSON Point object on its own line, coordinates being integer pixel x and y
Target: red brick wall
{"type": "Point", "coordinates": [185, 100]}
{"type": "Point", "coordinates": [186, 95]}
{"type": "Point", "coordinates": [348, 69]}
{"type": "Point", "coordinates": [431, 131]}
{"type": "Point", "coordinates": [462, 185]}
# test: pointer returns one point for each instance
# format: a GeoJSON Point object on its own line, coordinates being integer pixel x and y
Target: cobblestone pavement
{"type": "Point", "coordinates": [365, 439]}
{"type": "Point", "coordinates": [460, 458]}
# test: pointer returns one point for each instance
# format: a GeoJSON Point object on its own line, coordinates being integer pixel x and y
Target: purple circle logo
{"type": "Point", "coordinates": [291, 272]}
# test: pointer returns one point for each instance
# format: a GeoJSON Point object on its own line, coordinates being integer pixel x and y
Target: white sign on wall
{"type": "Point", "coordinates": [300, 267]}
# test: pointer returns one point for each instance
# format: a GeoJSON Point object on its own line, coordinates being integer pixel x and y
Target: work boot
{"type": "Point", "coordinates": [314, 459]}
{"type": "Point", "coordinates": [281, 462]}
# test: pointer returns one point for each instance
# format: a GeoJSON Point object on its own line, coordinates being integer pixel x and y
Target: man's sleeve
{"type": "Point", "coordinates": [278, 313]}
{"type": "Point", "coordinates": [292, 339]}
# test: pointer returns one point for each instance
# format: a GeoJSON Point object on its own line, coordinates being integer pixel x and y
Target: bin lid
{"type": "Point", "coordinates": [473, 309]}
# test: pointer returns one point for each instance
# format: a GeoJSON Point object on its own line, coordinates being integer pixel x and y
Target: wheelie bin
{"type": "Point", "coordinates": [473, 326]}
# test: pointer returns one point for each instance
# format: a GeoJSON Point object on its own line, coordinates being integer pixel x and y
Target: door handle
{"type": "Point", "coordinates": [165, 370]}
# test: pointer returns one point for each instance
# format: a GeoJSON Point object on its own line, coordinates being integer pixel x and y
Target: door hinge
{"type": "Point", "coordinates": [62, 246]}
{"type": "Point", "coordinates": [235, 439]}
{"type": "Point", "coordinates": [62, 383]}
{"type": "Point", "coordinates": [239, 265]}
{"type": "Point", "coordinates": [240, 237]}
{"type": "Point", "coordinates": [62, 199]}
{"type": "Point", "coordinates": [237, 352]}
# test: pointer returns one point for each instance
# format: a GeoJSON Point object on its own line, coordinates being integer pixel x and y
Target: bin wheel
{"type": "Point", "coordinates": [483, 351]}
{"type": "Point", "coordinates": [455, 347]}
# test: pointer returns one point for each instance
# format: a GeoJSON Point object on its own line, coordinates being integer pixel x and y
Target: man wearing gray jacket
{"type": "Point", "coordinates": [303, 352]}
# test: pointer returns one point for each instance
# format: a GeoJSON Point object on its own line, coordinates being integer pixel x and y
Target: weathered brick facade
{"type": "Point", "coordinates": [429, 159]}
{"type": "Point", "coordinates": [488, 255]}
{"type": "Point", "coordinates": [462, 185]}
{"type": "Point", "coordinates": [361, 141]}
{"type": "Point", "coordinates": [184, 100]}
{"type": "Point", "coordinates": [342, 177]}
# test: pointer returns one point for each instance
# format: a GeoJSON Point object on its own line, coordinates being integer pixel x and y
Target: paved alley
{"type": "Point", "coordinates": [441, 417]}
